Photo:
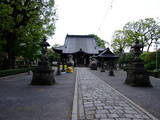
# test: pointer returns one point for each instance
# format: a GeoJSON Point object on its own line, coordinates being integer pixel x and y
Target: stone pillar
{"type": "Point", "coordinates": [58, 69]}
{"type": "Point", "coordinates": [62, 59]}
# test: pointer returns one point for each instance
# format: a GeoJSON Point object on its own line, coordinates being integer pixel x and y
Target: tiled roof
{"type": "Point", "coordinates": [79, 43]}
{"type": "Point", "coordinates": [107, 54]}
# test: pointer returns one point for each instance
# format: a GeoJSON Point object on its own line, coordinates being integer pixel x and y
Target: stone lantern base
{"type": "Point", "coordinates": [43, 75]}
{"type": "Point", "coordinates": [111, 73]}
{"type": "Point", "coordinates": [137, 75]}
{"type": "Point", "coordinates": [93, 65]}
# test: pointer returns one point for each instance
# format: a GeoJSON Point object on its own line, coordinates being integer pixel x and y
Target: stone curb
{"type": "Point", "coordinates": [75, 100]}
{"type": "Point", "coordinates": [81, 113]}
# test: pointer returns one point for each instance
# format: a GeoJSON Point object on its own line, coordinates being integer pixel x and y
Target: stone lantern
{"type": "Point", "coordinates": [136, 73]}
{"type": "Point", "coordinates": [44, 74]}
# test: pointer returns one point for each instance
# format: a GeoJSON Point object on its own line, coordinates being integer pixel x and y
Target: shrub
{"type": "Point", "coordinates": [14, 71]}
{"type": "Point", "coordinates": [149, 59]}
{"type": "Point", "coordinates": [125, 58]}
{"type": "Point", "coordinates": [150, 65]}
{"type": "Point", "coordinates": [154, 73]}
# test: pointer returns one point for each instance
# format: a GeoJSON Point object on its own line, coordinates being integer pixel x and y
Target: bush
{"type": "Point", "coordinates": [154, 73]}
{"type": "Point", "coordinates": [14, 71]}
{"type": "Point", "coordinates": [149, 59]}
{"type": "Point", "coordinates": [124, 60]}
{"type": "Point", "coordinates": [150, 65]}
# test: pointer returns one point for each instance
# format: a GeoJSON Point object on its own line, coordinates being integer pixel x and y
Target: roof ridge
{"type": "Point", "coordinates": [80, 36]}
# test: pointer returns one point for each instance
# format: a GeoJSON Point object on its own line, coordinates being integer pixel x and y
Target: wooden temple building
{"type": "Point", "coordinates": [80, 47]}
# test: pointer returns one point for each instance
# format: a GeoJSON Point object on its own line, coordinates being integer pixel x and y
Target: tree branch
{"type": "Point", "coordinates": [4, 1]}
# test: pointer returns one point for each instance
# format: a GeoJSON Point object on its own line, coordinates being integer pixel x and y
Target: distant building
{"type": "Point", "coordinates": [80, 47]}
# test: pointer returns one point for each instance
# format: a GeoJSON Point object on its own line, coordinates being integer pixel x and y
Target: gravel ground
{"type": "Point", "coordinates": [147, 98]}
{"type": "Point", "coordinates": [21, 101]}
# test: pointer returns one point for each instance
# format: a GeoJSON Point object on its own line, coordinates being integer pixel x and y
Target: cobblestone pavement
{"type": "Point", "coordinates": [99, 101]}
{"type": "Point", "coordinates": [146, 97]}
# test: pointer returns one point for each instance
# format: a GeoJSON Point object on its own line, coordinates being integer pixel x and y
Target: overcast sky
{"type": "Point", "coordinates": [101, 17]}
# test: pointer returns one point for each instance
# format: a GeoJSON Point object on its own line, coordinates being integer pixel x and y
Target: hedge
{"type": "Point", "coordinates": [14, 71]}
{"type": "Point", "coordinates": [154, 73]}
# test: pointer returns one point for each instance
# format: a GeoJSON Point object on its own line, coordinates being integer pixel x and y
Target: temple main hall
{"type": "Point", "coordinates": [80, 47]}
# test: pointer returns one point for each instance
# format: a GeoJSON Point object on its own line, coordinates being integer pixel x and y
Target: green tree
{"type": "Point", "coordinates": [119, 42]}
{"type": "Point", "coordinates": [149, 59]}
{"type": "Point", "coordinates": [23, 24]}
{"type": "Point", "coordinates": [99, 41]}
{"type": "Point", "coordinates": [52, 55]}
{"type": "Point", "coordinates": [146, 31]}
{"type": "Point", "coordinates": [124, 59]}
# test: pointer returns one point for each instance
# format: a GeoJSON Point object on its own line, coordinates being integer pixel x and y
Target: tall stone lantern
{"type": "Point", "coordinates": [44, 74]}
{"type": "Point", "coordinates": [136, 73]}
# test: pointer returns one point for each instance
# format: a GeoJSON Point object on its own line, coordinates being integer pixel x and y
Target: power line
{"type": "Point", "coordinates": [106, 14]}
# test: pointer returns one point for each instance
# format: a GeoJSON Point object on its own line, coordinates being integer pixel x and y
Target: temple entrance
{"type": "Point", "coordinates": [81, 59]}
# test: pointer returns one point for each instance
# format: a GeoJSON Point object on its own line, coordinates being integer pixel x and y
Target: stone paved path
{"type": "Point", "coordinates": [99, 101]}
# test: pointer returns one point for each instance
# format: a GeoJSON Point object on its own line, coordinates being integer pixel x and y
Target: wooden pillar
{"type": "Point", "coordinates": [58, 68]}
{"type": "Point", "coordinates": [62, 60]}
{"type": "Point", "coordinates": [102, 65]}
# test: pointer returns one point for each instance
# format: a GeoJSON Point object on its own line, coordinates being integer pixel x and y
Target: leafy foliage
{"type": "Point", "coordinates": [125, 58]}
{"type": "Point", "coordinates": [99, 41]}
{"type": "Point", "coordinates": [147, 31]}
{"type": "Point", "coordinates": [119, 43]}
{"type": "Point", "coordinates": [52, 56]}
{"type": "Point", "coordinates": [149, 59]}
{"type": "Point", "coordinates": [23, 23]}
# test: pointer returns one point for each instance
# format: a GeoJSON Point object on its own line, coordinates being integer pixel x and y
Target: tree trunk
{"type": "Point", "coordinates": [11, 62]}
{"type": "Point", "coordinates": [149, 45]}
{"type": "Point", "coordinates": [142, 49]}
